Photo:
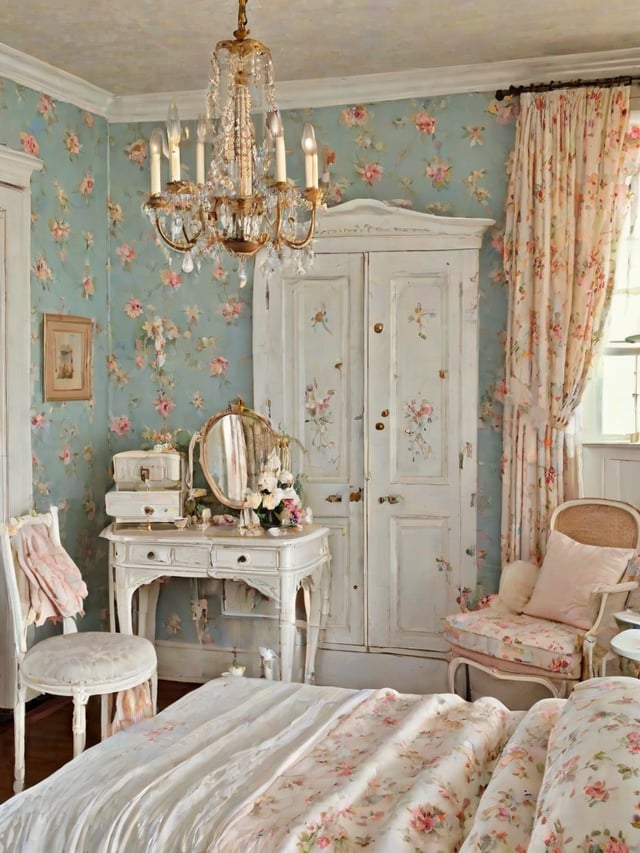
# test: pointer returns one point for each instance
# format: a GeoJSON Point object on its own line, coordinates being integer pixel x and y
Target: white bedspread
{"type": "Point", "coordinates": [243, 765]}
{"type": "Point", "coordinates": [254, 765]}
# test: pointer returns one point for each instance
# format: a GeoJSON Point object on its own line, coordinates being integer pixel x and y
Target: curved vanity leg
{"type": "Point", "coordinates": [287, 627]}
{"type": "Point", "coordinates": [147, 603]}
{"type": "Point", "coordinates": [316, 605]}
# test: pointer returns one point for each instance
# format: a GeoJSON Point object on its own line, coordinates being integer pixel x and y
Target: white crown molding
{"type": "Point", "coordinates": [331, 91]}
{"type": "Point", "coordinates": [34, 74]}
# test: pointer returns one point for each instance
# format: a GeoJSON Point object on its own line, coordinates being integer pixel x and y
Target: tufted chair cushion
{"type": "Point", "coordinates": [87, 657]}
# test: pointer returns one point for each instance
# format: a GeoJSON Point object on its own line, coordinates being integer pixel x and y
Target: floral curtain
{"type": "Point", "coordinates": [565, 206]}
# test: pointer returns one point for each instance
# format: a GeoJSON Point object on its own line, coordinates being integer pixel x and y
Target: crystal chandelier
{"type": "Point", "coordinates": [244, 201]}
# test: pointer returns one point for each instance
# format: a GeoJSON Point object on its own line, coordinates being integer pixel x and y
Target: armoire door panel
{"type": "Point", "coordinates": [420, 588]}
{"type": "Point", "coordinates": [345, 623]}
{"type": "Point", "coordinates": [321, 406]}
{"type": "Point", "coordinates": [412, 461]}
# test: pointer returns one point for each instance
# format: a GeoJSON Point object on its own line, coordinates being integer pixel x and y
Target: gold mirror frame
{"type": "Point", "coordinates": [234, 444]}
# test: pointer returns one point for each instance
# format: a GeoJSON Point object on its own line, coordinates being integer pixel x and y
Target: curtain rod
{"type": "Point", "coordinates": [501, 94]}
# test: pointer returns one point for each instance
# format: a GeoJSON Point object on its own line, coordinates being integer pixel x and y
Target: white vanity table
{"type": "Point", "coordinates": [277, 566]}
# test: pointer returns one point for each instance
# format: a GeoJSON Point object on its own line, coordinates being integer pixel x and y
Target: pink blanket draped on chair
{"type": "Point", "coordinates": [55, 586]}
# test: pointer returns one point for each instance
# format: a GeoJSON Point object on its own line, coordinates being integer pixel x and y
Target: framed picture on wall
{"type": "Point", "coordinates": [68, 357]}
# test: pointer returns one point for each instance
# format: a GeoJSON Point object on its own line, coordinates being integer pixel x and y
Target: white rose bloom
{"type": "Point", "coordinates": [252, 500]}
{"type": "Point", "coordinates": [285, 478]}
{"type": "Point", "coordinates": [272, 501]}
{"type": "Point", "coordinates": [267, 483]}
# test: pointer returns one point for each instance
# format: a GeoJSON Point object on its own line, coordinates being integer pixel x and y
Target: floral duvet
{"type": "Point", "coordinates": [244, 765]}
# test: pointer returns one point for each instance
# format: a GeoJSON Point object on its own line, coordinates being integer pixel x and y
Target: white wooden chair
{"type": "Point", "coordinates": [76, 664]}
{"type": "Point", "coordinates": [552, 625]}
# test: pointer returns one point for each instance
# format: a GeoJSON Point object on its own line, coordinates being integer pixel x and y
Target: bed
{"type": "Point", "coordinates": [254, 765]}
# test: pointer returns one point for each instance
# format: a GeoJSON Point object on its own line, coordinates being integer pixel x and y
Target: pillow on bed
{"type": "Point", "coordinates": [568, 574]}
{"type": "Point", "coordinates": [588, 798]}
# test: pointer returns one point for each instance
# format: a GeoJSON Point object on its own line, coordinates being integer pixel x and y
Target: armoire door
{"type": "Point", "coordinates": [312, 363]}
{"type": "Point", "coordinates": [418, 412]}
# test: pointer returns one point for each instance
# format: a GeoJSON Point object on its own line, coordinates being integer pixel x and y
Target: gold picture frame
{"type": "Point", "coordinates": [68, 357]}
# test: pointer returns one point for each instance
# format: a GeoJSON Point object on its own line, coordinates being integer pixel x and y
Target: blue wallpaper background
{"type": "Point", "coordinates": [94, 253]}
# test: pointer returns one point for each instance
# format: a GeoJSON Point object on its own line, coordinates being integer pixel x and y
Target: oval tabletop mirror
{"type": "Point", "coordinates": [234, 445]}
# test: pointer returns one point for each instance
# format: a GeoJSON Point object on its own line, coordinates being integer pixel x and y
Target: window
{"type": "Point", "coordinates": [611, 405]}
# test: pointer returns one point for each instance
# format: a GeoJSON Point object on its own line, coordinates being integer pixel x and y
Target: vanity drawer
{"type": "Point", "coordinates": [257, 558]}
{"type": "Point", "coordinates": [148, 555]}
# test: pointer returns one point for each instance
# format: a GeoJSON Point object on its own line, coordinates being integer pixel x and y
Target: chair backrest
{"type": "Point", "coordinates": [16, 582]}
{"type": "Point", "coordinates": [598, 521]}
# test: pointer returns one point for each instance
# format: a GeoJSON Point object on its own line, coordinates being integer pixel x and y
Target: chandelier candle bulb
{"type": "Point", "coordinates": [173, 137]}
{"type": "Point", "coordinates": [310, 149]}
{"type": "Point", "coordinates": [155, 149]}
{"type": "Point", "coordinates": [274, 125]}
{"type": "Point", "coordinates": [201, 134]}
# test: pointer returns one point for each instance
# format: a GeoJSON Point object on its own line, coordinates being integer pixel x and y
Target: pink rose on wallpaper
{"type": "Point", "coordinates": [60, 230]}
{"type": "Point", "coordinates": [65, 455]}
{"type": "Point", "coordinates": [219, 273]}
{"type": "Point", "coordinates": [137, 151]}
{"type": "Point", "coordinates": [29, 144]}
{"type": "Point", "coordinates": [371, 172]}
{"type": "Point", "coordinates": [126, 254]}
{"type": "Point", "coordinates": [72, 143]}
{"type": "Point", "coordinates": [424, 122]}
{"type": "Point", "coordinates": [120, 425]}
{"type": "Point", "coordinates": [171, 278]}
{"type": "Point", "coordinates": [46, 107]}
{"type": "Point", "coordinates": [88, 119]}
{"type": "Point", "coordinates": [218, 366]}
{"type": "Point", "coordinates": [41, 270]}
{"type": "Point", "coordinates": [87, 184]}
{"type": "Point", "coordinates": [88, 286]}
{"type": "Point", "coordinates": [354, 116]}
{"type": "Point", "coordinates": [439, 172]}
{"type": "Point", "coordinates": [164, 406]}
{"type": "Point", "coordinates": [140, 361]}
{"type": "Point", "coordinates": [231, 310]}
{"type": "Point", "coordinates": [38, 421]}
{"type": "Point", "coordinates": [133, 308]}
{"type": "Point", "coordinates": [112, 362]}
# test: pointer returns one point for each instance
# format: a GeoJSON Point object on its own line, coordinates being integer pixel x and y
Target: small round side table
{"type": "Point", "coordinates": [626, 645]}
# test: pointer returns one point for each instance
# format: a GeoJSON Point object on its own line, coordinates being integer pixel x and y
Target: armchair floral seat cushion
{"type": "Point", "coordinates": [514, 638]}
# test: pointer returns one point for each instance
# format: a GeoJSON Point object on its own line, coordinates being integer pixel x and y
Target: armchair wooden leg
{"type": "Point", "coordinates": [19, 737]}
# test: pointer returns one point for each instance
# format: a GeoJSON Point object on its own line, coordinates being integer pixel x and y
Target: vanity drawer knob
{"type": "Point", "coordinates": [242, 558]}
{"type": "Point", "coordinates": [151, 555]}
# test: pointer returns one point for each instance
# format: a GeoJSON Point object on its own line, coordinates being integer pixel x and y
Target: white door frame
{"type": "Point", "coordinates": [15, 331]}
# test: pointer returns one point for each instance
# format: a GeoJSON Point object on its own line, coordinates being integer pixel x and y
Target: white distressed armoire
{"type": "Point", "coordinates": [370, 360]}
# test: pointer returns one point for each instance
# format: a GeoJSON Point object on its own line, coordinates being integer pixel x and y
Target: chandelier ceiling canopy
{"type": "Point", "coordinates": [242, 200]}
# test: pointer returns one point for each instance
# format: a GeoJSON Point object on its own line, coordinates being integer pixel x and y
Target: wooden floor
{"type": "Point", "coordinates": [49, 742]}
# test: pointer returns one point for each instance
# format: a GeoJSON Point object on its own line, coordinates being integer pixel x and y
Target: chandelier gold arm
{"type": "Point", "coordinates": [189, 242]}
{"type": "Point", "coordinates": [314, 197]}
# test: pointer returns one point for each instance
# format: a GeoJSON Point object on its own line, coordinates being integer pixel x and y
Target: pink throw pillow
{"type": "Point", "coordinates": [568, 574]}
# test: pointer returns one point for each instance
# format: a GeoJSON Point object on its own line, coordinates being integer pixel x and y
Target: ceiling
{"type": "Point", "coordinates": [134, 47]}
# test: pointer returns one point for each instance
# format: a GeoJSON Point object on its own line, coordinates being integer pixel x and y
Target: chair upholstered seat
{"type": "Point", "coordinates": [516, 638]}
{"type": "Point", "coordinates": [88, 658]}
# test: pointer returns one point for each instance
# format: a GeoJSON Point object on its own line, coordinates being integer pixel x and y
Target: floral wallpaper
{"type": "Point", "coordinates": [68, 276]}
{"type": "Point", "coordinates": [173, 348]}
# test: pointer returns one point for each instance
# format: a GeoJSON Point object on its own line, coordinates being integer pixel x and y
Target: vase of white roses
{"type": "Point", "coordinates": [275, 502]}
